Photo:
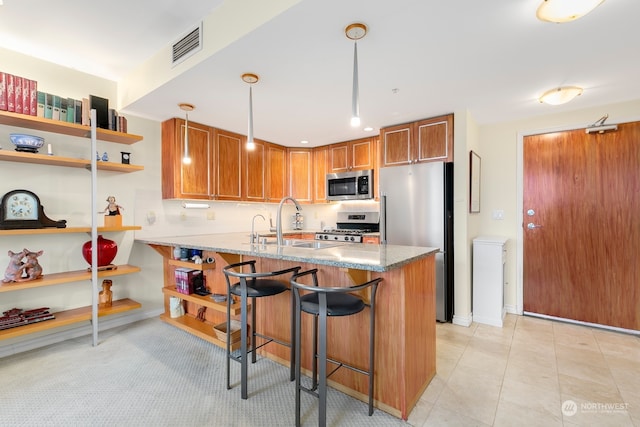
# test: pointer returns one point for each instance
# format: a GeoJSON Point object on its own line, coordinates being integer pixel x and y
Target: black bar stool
{"type": "Point", "coordinates": [253, 285]}
{"type": "Point", "coordinates": [323, 302]}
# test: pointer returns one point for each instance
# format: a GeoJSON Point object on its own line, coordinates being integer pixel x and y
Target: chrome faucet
{"type": "Point", "coordinates": [254, 237]}
{"type": "Point", "coordinates": [279, 218]}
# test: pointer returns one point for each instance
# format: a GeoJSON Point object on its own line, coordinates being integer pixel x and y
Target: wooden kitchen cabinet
{"type": "Point", "coordinates": [255, 173]}
{"type": "Point", "coordinates": [193, 181]}
{"type": "Point", "coordinates": [228, 159]}
{"type": "Point", "coordinates": [354, 155]}
{"type": "Point", "coordinates": [300, 174]}
{"type": "Point", "coordinates": [320, 162]}
{"type": "Point", "coordinates": [422, 141]}
{"type": "Point", "coordinates": [276, 173]}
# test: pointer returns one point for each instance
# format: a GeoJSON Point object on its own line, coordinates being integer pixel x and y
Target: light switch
{"type": "Point", "coordinates": [498, 214]}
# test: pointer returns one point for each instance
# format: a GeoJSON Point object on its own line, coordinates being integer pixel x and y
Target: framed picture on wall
{"type": "Point", "coordinates": [474, 182]}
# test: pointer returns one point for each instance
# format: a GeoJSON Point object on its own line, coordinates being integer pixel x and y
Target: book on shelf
{"type": "Point", "coordinates": [187, 280]}
{"type": "Point", "coordinates": [122, 124]}
{"type": "Point", "coordinates": [26, 96]}
{"type": "Point", "coordinates": [48, 106]}
{"type": "Point", "coordinates": [3, 91]}
{"type": "Point", "coordinates": [11, 94]}
{"type": "Point", "coordinates": [86, 107]}
{"type": "Point", "coordinates": [112, 119]}
{"type": "Point", "coordinates": [33, 98]}
{"type": "Point", "coordinates": [101, 105]}
{"type": "Point", "coordinates": [41, 100]}
{"type": "Point", "coordinates": [63, 110]}
{"type": "Point", "coordinates": [78, 110]}
{"type": "Point", "coordinates": [56, 107]}
{"type": "Point", "coordinates": [17, 94]}
{"type": "Point", "coordinates": [71, 110]}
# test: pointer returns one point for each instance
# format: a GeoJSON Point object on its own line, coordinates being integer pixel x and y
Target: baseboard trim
{"type": "Point", "coordinates": [462, 320]}
{"type": "Point", "coordinates": [578, 322]}
{"type": "Point", "coordinates": [81, 330]}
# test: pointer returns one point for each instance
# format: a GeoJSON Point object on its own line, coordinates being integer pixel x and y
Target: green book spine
{"type": "Point", "coordinates": [71, 110]}
{"type": "Point", "coordinates": [63, 109]}
{"type": "Point", "coordinates": [41, 100]}
{"type": "Point", "coordinates": [48, 106]}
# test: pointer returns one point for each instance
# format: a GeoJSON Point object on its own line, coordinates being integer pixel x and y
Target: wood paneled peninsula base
{"type": "Point", "coordinates": [405, 347]}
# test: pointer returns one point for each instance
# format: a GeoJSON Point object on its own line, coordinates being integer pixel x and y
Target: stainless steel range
{"type": "Point", "coordinates": [350, 226]}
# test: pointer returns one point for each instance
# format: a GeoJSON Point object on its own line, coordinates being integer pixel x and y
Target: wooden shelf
{"type": "Point", "coordinates": [67, 277]}
{"type": "Point", "coordinates": [44, 159]}
{"type": "Point", "coordinates": [69, 317]}
{"type": "Point", "coordinates": [192, 265]}
{"type": "Point", "coordinates": [53, 230]}
{"type": "Point", "coordinates": [65, 128]}
{"type": "Point", "coordinates": [205, 301]}
{"type": "Point", "coordinates": [198, 328]}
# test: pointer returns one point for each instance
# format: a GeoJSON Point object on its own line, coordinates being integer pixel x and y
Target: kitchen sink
{"type": "Point", "coordinates": [300, 243]}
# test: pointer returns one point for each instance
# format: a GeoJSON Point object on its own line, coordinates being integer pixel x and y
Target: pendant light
{"type": "Point", "coordinates": [251, 79]}
{"type": "Point", "coordinates": [560, 11]}
{"type": "Point", "coordinates": [186, 158]}
{"type": "Point", "coordinates": [355, 32]}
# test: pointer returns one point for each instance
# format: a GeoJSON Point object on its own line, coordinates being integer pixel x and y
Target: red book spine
{"type": "Point", "coordinates": [33, 97]}
{"type": "Point", "coordinates": [11, 94]}
{"type": "Point", "coordinates": [17, 91]}
{"type": "Point", "coordinates": [3, 91]}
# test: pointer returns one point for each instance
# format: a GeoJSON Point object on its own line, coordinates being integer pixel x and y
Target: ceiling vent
{"type": "Point", "coordinates": [187, 46]}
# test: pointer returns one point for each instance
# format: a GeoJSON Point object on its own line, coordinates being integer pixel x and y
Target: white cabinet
{"type": "Point", "coordinates": [489, 255]}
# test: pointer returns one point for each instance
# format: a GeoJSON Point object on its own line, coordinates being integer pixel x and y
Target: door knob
{"type": "Point", "coordinates": [531, 226]}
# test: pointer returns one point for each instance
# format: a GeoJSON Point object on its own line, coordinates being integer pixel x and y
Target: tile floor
{"type": "Point", "coordinates": [532, 372]}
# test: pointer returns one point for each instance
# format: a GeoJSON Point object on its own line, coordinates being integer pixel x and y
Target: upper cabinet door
{"type": "Point", "coordinates": [352, 155]}
{"type": "Point", "coordinates": [255, 172]}
{"type": "Point", "coordinates": [397, 148]}
{"type": "Point", "coordinates": [320, 161]}
{"type": "Point", "coordinates": [229, 150]}
{"type": "Point", "coordinates": [300, 174]}
{"type": "Point", "coordinates": [435, 139]}
{"type": "Point", "coordinates": [276, 185]}
{"type": "Point", "coordinates": [428, 140]}
{"type": "Point", "coordinates": [186, 181]}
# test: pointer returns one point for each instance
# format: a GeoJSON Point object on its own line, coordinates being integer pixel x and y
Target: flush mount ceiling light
{"type": "Point", "coordinates": [355, 32]}
{"type": "Point", "coordinates": [186, 159]}
{"type": "Point", "coordinates": [560, 95]}
{"type": "Point", "coordinates": [251, 79]}
{"type": "Point", "coordinates": [560, 11]}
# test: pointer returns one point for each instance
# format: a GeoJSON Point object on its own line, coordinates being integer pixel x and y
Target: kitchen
{"type": "Point", "coordinates": [497, 143]}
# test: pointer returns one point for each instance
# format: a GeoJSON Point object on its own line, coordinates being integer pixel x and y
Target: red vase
{"type": "Point", "coordinates": [107, 250]}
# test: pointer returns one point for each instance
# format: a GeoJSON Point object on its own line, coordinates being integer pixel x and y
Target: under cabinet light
{"type": "Point", "coordinates": [195, 205]}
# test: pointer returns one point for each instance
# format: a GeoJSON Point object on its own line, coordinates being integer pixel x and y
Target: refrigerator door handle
{"type": "Point", "coordinates": [383, 218]}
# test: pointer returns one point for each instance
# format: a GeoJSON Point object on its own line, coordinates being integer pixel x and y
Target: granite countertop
{"type": "Point", "coordinates": [359, 256]}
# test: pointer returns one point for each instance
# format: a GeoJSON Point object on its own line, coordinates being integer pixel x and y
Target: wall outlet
{"type": "Point", "coordinates": [211, 216]}
{"type": "Point", "coordinates": [498, 214]}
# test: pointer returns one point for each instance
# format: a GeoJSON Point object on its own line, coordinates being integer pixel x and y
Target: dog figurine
{"type": "Point", "coordinates": [32, 267]}
{"type": "Point", "coordinates": [16, 266]}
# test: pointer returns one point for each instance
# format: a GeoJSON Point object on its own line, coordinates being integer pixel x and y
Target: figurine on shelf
{"type": "Point", "coordinates": [15, 267]}
{"type": "Point", "coordinates": [197, 259]}
{"type": "Point", "coordinates": [105, 157]}
{"type": "Point", "coordinates": [112, 208]}
{"type": "Point", "coordinates": [105, 295]}
{"type": "Point", "coordinates": [32, 267]}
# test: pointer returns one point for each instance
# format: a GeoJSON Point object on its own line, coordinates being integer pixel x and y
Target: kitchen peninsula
{"type": "Point", "coordinates": [405, 353]}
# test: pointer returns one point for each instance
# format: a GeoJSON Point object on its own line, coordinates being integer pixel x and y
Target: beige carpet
{"type": "Point", "coordinates": [152, 374]}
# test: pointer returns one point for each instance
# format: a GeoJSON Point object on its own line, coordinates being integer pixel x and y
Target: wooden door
{"type": "Point", "coordinates": [339, 157]}
{"type": "Point", "coordinates": [582, 195]}
{"type": "Point", "coordinates": [363, 154]}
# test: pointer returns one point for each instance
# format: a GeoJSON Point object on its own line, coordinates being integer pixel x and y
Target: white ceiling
{"type": "Point", "coordinates": [421, 58]}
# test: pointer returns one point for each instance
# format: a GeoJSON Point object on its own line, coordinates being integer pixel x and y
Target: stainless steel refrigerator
{"type": "Point", "coordinates": [416, 209]}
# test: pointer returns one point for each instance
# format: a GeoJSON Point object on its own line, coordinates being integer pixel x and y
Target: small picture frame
{"type": "Point", "coordinates": [474, 182]}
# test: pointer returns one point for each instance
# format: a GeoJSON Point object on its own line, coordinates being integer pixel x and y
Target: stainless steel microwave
{"type": "Point", "coordinates": [356, 185]}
